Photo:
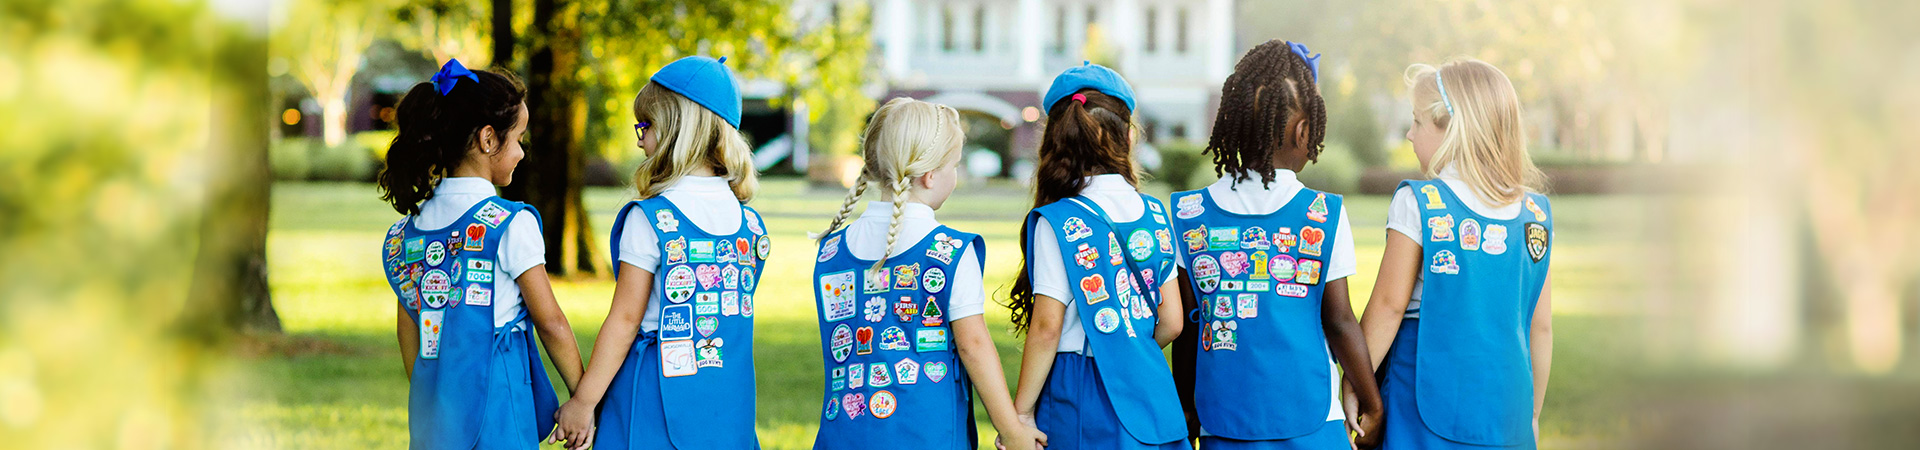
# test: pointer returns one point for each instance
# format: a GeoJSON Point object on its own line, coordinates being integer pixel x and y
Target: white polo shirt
{"type": "Point", "coordinates": [521, 245]}
{"type": "Point", "coordinates": [1122, 202]}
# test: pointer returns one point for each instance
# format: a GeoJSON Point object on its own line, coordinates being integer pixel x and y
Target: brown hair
{"type": "Point", "coordinates": [437, 130]}
{"type": "Point", "coordinates": [1271, 88]}
{"type": "Point", "coordinates": [1082, 139]}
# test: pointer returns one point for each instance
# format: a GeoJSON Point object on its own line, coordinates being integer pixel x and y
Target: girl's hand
{"type": "Point", "coordinates": [575, 420]}
{"type": "Point", "coordinates": [1024, 436]}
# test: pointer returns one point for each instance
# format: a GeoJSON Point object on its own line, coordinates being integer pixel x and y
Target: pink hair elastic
{"type": "Point", "coordinates": [1082, 98]}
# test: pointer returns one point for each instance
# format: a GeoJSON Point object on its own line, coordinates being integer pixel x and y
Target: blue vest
{"type": "Point", "coordinates": [444, 279]}
{"type": "Point", "coordinates": [1118, 298]}
{"type": "Point", "coordinates": [892, 376]}
{"type": "Point", "coordinates": [1261, 371]}
{"type": "Point", "coordinates": [1482, 280]}
{"type": "Point", "coordinates": [706, 324]}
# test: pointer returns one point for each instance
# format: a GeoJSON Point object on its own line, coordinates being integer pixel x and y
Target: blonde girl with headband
{"type": "Point", "coordinates": [673, 365]}
{"type": "Point", "coordinates": [901, 300]}
{"type": "Point", "coordinates": [1460, 324]}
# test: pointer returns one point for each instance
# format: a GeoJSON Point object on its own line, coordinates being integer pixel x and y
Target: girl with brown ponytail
{"type": "Point", "coordinates": [1081, 296]}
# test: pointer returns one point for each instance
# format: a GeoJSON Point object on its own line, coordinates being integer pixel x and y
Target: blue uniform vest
{"type": "Point", "coordinates": [1261, 370]}
{"type": "Point", "coordinates": [1118, 298]}
{"type": "Point", "coordinates": [1483, 277]}
{"type": "Point", "coordinates": [892, 376]}
{"type": "Point", "coordinates": [444, 279]}
{"type": "Point", "coordinates": [706, 283]}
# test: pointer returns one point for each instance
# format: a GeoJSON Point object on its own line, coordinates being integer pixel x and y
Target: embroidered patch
{"type": "Point", "coordinates": [906, 371]}
{"type": "Point", "coordinates": [1281, 267]}
{"type": "Point", "coordinates": [1075, 229]}
{"type": "Point", "coordinates": [764, 248]}
{"type": "Point", "coordinates": [1247, 306]}
{"type": "Point", "coordinates": [753, 221]}
{"type": "Point", "coordinates": [930, 340]}
{"type": "Point", "coordinates": [879, 375]}
{"type": "Point", "coordinates": [1223, 307]}
{"type": "Point", "coordinates": [416, 249]}
{"type": "Point", "coordinates": [1206, 273]}
{"type": "Point", "coordinates": [1140, 244]}
{"type": "Point", "coordinates": [875, 309]}
{"type": "Point", "coordinates": [837, 296]}
{"type": "Point", "coordinates": [855, 404]}
{"type": "Point", "coordinates": [863, 341]}
{"type": "Point", "coordinates": [708, 274]}
{"type": "Point", "coordinates": [1433, 197]}
{"type": "Point", "coordinates": [1190, 206]}
{"type": "Point", "coordinates": [730, 277]}
{"type": "Point", "coordinates": [1232, 285]}
{"type": "Point", "coordinates": [1086, 256]}
{"type": "Point", "coordinates": [436, 253]}
{"type": "Point", "coordinates": [478, 270]}
{"type": "Point", "coordinates": [1441, 227]}
{"type": "Point", "coordinates": [905, 309]}
{"type": "Point", "coordinates": [1283, 239]}
{"type": "Point", "coordinates": [935, 370]}
{"type": "Point", "coordinates": [1317, 211]}
{"type": "Point", "coordinates": [882, 405]}
{"type": "Point", "coordinates": [1255, 238]}
{"type": "Point", "coordinates": [677, 359]}
{"type": "Point", "coordinates": [943, 249]}
{"type": "Point", "coordinates": [676, 250]}
{"type": "Point", "coordinates": [430, 323]}
{"type": "Point", "coordinates": [1115, 257]}
{"type": "Point", "coordinates": [857, 376]}
{"type": "Point", "coordinates": [1094, 288]}
{"type": "Point", "coordinates": [679, 284]}
{"type": "Point", "coordinates": [894, 339]}
{"type": "Point", "coordinates": [706, 303]}
{"type": "Point", "coordinates": [1310, 240]}
{"type": "Point", "coordinates": [1165, 237]}
{"type": "Point", "coordinates": [839, 377]}
{"type": "Point", "coordinates": [707, 353]}
{"type": "Point", "coordinates": [1306, 271]}
{"type": "Point", "coordinates": [875, 281]}
{"type": "Point", "coordinates": [1469, 234]}
{"type": "Point", "coordinates": [746, 305]}
{"type": "Point", "coordinates": [1537, 241]}
{"type": "Point", "coordinates": [934, 281]}
{"type": "Point", "coordinates": [1223, 335]}
{"type": "Point", "coordinates": [701, 251]}
{"type": "Point", "coordinates": [730, 303]}
{"type": "Point", "coordinates": [676, 322]}
{"type": "Point", "coordinates": [829, 249]}
{"type": "Point", "coordinates": [833, 403]}
{"type": "Point", "coordinates": [1538, 214]}
{"type": "Point", "coordinates": [436, 288]}
{"type": "Point", "coordinates": [476, 237]}
{"type": "Point", "coordinates": [1235, 263]}
{"type": "Point", "coordinates": [1196, 239]}
{"type": "Point", "coordinates": [842, 343]}
{"type": "Point", "coordinates": [723, 252]}
{"type": "Point", "coordinates": [1106, 320]}
{"type": "Point", "coordinates": [492, 214]}
{"type": "Point", "coordinates": [744, 249]}
{"type": "Point", "coordinates": [1222, 239]}
{"type": "Point", "coordinates": [906, 276]}
{"type": "Point", "coordinates": [931, 315]}
{"type": "Point", "coordinates": [1443, 262]}
{"type": "Point", "coordinates": [664, 220]}
{"type": "Point", "coordinates": [1290, 290]}
{"type": "Point", "coordinates": [1495, 241]}
{"type": "Point", "coordinates": [478, 295]}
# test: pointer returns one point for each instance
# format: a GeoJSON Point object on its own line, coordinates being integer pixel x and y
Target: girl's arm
{"type": "Point", "coordinates": [1541, 347]}
{"type": "Point", "coordinates": [631, 294]}
{"type": "Point", "coordinates": [1391, 292]}
{"type": "Point", "coordinates": [555, 333]}
{"type": "Point", "coordinates": [1350, 349]}
{"type": "Point", "coordinates": [982, 360]}
{"type": "Point", "coordinates": [409, 335]}
{"type": "Point", "coordinates": [1036, 358]}
{"type": "Point", "coordinates": [1171, 313]}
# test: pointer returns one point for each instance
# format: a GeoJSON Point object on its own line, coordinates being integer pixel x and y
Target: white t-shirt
{"type": "Point", "coordinates": [1122, 203]}
{"type": "Point", "coordinates": [521, 245]}
{"type": "Point", "coordinates": [713, 209]}
{"type": "Point", "coordinates": [1403, 215]}
{"type": "Point", "coordinates": [867, 237]}
{"type": "Point", "coordinates": [1251, 198]}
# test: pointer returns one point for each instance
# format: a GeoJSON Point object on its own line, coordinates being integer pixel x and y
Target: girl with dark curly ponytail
{"type": "Point", "coordinates": [469, 269]}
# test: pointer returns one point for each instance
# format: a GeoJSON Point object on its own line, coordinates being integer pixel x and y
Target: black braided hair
{"type": "Point", "coordinates": [1271, 88]}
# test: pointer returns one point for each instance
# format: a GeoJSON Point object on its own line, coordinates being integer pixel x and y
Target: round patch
{"type": "Point", "coordinates": [935, 280]}
{"type": "Point", "coordinates": [833, 408]}
{"type": "Point", "coordinates": [1206, 271]}
{"type": "Point", "coordinates": [882, 405]}
{"type": "Point", "coordinates": [436, 253]}
{"type": "Point", "coordinates": [1106, 320]}
{"type": "Point", "coordinates": [842, 343]}
{"type": "Point", "coordinates": [764, 247]}
{"type": "Point", "coordinates": [1140, 244]}
{"type": "Point", "coordinates": [679, 284]}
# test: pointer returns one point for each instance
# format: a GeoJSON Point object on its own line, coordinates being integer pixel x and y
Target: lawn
{"type": "Point", "coordinates": [335, 379]}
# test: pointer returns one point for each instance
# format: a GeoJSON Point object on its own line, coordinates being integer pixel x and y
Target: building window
{"type": "Point", "coordinates": [979, 29]}
{"type": "Point", "coordinates": [1180, 32]}
{"type": "Point", "coordinates": [1060, 31]}
{"type": "Point", "coordinates": [946, 29]}
{"type": "Point", "coordinates": [1153, 28]}
{"type": "Point", "coordinates": [1179, 131]}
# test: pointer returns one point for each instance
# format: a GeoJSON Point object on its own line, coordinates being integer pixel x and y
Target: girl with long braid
{"type": "Point", "coordinates": [900, 299]}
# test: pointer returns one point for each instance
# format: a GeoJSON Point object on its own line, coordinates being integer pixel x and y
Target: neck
{"type": "Point", "coordinates": [472, 169]}
{"type": "Point", "coordinates": [701, 171]}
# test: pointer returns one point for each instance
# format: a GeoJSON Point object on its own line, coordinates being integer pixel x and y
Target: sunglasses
{"type": "Point", "coordinates": [640, 130]}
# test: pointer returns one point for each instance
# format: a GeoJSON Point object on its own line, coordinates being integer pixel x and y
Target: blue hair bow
{"type": "Point", "coordinates": [450, 74]}
{"type": "Point", "coordinates": [1313, 62]}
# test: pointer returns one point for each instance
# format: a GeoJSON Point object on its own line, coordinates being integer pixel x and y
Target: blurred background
{"type": "Point", "coordinates": [189, 225]}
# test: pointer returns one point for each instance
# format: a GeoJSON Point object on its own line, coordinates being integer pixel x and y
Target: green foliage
{"type": "Point", "coordinates": [1338, 170]}
{"type": "Point", "coordinates": [1181, 162]}
{"type": "Point", "coordinates": [356, 159]}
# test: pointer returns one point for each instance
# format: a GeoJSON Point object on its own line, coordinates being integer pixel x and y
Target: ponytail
{"type": "Point", "coordinates": [436, 131]}
{"type": "Point", "coordinates": [1086, 135]}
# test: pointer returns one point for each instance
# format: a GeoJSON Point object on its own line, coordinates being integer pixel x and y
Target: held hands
{"type": "Point", "coordinates": [575, 424]}
{"type": "Point", "coordinates": [1364, 423]}
{"type": "Point", "coordinates": [1025, 435]}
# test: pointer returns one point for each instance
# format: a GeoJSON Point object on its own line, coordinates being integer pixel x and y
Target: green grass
{"type": "Point", "coordinates": [335, 379]}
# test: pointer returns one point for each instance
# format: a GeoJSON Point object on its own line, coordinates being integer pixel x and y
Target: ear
{"type": "Point", "coordinates": [486, 139]}
{"type": "Point", "coordinates": [1299, 137]}
{"type": "Point", "coordinates": [924, 181]}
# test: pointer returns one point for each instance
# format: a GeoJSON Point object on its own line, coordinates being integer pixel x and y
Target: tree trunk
{"type": "Point", "coordinates": [550, 178]}
{"type": "Point", "coordinates": [503, 33]}
{"type": "Point", "coordinates": [229, 289]}
{"type": "Point", "coordinates": [333, 117]}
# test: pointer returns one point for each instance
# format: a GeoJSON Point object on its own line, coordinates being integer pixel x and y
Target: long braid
{"type": "Point", "coordinates": [900, 185]}
{"type": "Point", "coordinates": [846, 208]}
{"type": "Point", "coordinates": [1269, 89]}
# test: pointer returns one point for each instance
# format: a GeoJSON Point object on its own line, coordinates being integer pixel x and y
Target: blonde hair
{"type": "Point", "coordinates": [1485, 138]}
{"type": "Point", "coordinates": [907, 138]}
{"type": "Point", "coordinates": [690, 136]}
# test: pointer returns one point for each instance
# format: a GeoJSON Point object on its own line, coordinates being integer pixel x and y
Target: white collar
{"type": "Point", "coordinates": [1108, 182]}
{"type": "Point", "coordinates": [1281, 177]}
{"type": "Point", "coordinates": [465, 186]}
{"type": "Point", "coordinates": [1448, 173]}
{"type": "Point", "coordinates": [883, 211]}
{"type": "Point", "coordinates": [694, 183]}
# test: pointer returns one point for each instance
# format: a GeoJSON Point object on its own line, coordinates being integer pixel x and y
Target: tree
{"type": "Point", "coordinates": [324, 40]}
{"type": "Point", "coordinates": [447, 29]}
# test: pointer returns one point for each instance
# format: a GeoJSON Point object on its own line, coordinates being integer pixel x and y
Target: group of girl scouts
{"type": "Point", "coordinates": [1246, 278]}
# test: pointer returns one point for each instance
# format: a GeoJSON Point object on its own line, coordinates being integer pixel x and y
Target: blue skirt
{"type": "Point", "coordinates": [630, 415]}
{"type": "Point", "coordinates": [1075, 413]}
{"type": "Point", "coordinates": [1331, 436]}
{"type": "Point", "coordinates": [509, 416]}
{"type": "Point", "coordinates": [1404, 428]}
